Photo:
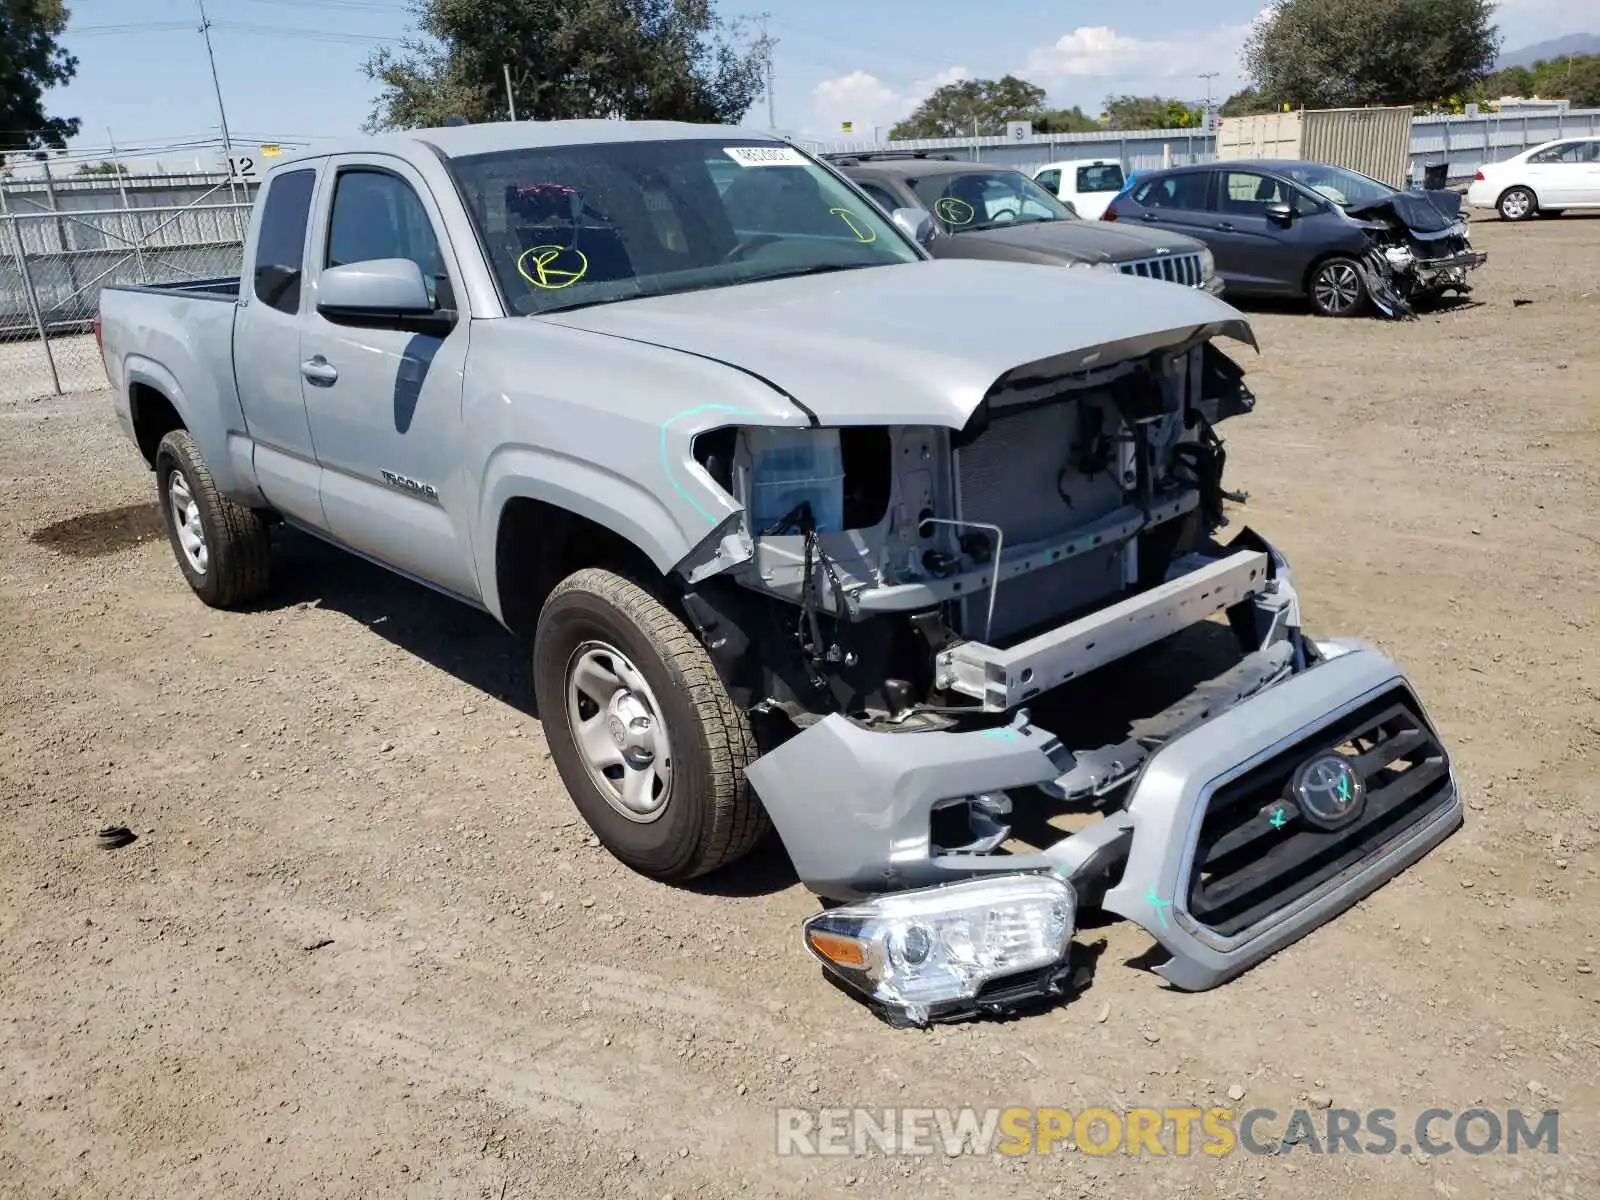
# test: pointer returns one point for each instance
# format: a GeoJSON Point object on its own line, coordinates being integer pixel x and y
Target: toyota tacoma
{"type": "Point", "coordinates": [793, 549]}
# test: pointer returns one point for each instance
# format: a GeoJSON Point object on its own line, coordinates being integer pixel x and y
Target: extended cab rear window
{"type": "Point", "coordinates": [281, 243]}
{"type": "Point", "coordinates": [1106, 177]}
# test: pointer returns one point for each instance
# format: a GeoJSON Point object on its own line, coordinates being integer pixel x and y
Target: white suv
{"type": "Point", "coordinates": [1088, 184]}
{"type": "Point", "coordinates": [1546, 179]}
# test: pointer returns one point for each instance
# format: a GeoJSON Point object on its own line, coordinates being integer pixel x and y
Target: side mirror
{"type": "Point", "coordinates": [1280, 214]}
{"type": "Point", "coordinates": [380, 291]}
{"type": "Point", "coordinates": [917, 224]}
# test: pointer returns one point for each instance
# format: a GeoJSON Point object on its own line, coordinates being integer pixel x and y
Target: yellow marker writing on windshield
{"type": "Point", "coordinates": [954, 211]}
{"type": "Point", "coordinates": [551, 268]}
{"type": "Point", "coordinates": [863, 235]}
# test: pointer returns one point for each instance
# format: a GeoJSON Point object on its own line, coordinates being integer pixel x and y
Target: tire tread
{"type": "Point", "coordinates": [241, 557]}
{"type": "Point", "coordinates": [737, 820]}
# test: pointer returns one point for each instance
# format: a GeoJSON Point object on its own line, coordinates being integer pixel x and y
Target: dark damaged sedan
{"type": "Point", "coordinates": [1342, 240]}
{"type": "Point", "coordinates": [993, 213]}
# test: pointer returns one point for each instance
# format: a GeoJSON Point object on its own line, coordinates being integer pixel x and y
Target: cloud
{"type": "Point", "coordinates": [1092, 61]}
{"type": "Point", "coordinates": [869, 102]}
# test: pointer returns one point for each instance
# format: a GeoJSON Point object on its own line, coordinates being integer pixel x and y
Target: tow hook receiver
{"type": "Point", "coordinates": [948, 953]}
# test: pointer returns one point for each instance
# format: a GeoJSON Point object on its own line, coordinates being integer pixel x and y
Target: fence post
{"type": "Point", "coordinates": [33, 302]}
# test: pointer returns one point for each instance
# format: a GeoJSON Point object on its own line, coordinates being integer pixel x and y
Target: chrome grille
{"type": "Point", "coordinates": [1174, 268]}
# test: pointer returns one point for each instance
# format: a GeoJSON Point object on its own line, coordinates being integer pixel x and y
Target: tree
{"type": "Point", "coordinates": [30, 62]}
{"type": "Point", "coordinates": [634, 59]}
{"type": "Point", "coordinates": [1352, 53]}
{"type": "Point", "coordinates": [1246, 103]}
{"type": "Point", "coordinates": [1065, 120]}
{"type": "Point", "coordinates": [1575, 77]}
{"type": "Point", "coordinates": [973, 106]}
{"type": "Point", "coordinates": [1151, 112]}
{"type": "Point", "coordinates": [102, 168]}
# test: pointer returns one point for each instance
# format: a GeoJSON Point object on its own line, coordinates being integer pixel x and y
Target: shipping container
{"type": "Point", "coordinates": [1374, 141]}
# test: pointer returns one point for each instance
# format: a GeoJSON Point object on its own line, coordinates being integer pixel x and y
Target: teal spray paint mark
{"type": "Point", "coordinates": [1158, 904]}
{"type": "Point", "coordinates": [1280, 818]}
{"type": "Point", "coordinates": [1004, 734]}
{"type": "Point", "coordinates": [666, 459]}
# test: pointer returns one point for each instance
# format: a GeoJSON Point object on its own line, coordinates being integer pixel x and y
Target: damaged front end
{"type": "Point", "coordinates": [908, 605]}
{"type": "Point", "coordinates": [1420, 249]}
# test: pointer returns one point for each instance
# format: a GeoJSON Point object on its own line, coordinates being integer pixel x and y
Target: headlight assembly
{"type": "Point", "coordinates": [1208, 263]}
{"type": "Point", "coordinates": [945, 953]}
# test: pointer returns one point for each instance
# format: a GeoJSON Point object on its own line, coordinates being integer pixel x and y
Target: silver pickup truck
{"type": "Point", "coordinates": [803, 527]}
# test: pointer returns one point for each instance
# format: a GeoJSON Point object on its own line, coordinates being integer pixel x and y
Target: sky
{"type": "Point", "coordinates": [290, 70]}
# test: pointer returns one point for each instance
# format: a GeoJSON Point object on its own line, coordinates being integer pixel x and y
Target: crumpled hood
{"type": "Point", "coordinates": [1421, 212]}
{"type": "Point", "coordinates": [1086, 241]}
{"type": "Point", "coordinates": [919, 343]}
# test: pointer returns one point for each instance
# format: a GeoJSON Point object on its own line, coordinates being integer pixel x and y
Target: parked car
{"type": "Point", "coordinates": [1546, 180]}
{"type": "Point", "coordinates": [1086, 184]}
{"type": "Point", "coordinates": [1302, 229]}
{"type": "Point", "coordinates": [997, 213]}
{"type": "Point", "coordinates": [799, 523]}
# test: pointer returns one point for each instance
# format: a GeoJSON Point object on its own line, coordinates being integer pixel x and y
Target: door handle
{"type": "Point", "coordinates": [1150, 216]}
{"type": "Point", "coordinates": [319, 371]}
{"type": "Point", "coordinates": [1226, 226]}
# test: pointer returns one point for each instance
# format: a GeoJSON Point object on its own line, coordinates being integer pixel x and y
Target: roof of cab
{"type": "Point", "coordinates": [458, 141]}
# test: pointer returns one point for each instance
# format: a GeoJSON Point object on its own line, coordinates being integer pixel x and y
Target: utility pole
{"type": "Point", "coordinates": [511, 100]}
{"type": "Point", "coordinates": [768, 43]}
{"type": "Point", "coordinates": [222, 112]}
{"type": "Point", "coordinates": [122, 190]}
{"type": "Point", "coordinates": [1208, 76]}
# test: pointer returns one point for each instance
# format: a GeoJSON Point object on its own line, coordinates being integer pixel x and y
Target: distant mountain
{"type": "Point", "coordinates": [1573, 43]}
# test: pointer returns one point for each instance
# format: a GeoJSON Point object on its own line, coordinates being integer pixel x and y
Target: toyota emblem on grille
{"type": "Point", "coordinates": [1328, 791]}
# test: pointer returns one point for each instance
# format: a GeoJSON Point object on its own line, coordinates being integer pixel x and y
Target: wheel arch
{"type": "Point", "coordinates": [539, 542]}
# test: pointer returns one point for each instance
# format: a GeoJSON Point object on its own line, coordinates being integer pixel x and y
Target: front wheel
{"type": "Point", "coordinates": [649, 744]}
{"type": "Point", "coordinates": [1337, 289]}
{"type": "Point", "coordinates": [1518, 204]}
{"type": "Point", "coordinates": [223, 548]}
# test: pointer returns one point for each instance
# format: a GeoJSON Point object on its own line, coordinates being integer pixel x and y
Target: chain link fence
{"type": "Point", "coordinates": [54, 263]}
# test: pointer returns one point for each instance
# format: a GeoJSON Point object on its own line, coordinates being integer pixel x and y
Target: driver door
{"type": "Point", "coordinates": [384, 403]}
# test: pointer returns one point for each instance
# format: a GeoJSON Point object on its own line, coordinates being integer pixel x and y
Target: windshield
{"type": "Point", "coordinates": [1344, 188]}
{"type": "Point", "coordinates": [976, 200]}
{"type": "Point", "coordinates": [568, 226]}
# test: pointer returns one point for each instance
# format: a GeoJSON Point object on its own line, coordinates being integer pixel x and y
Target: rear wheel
{"type": "Point", "coordinates": [222, 548]}
{"type": "Point", "coordinates": [1518, 204]}
{"type": "Point", "coordinates": [1337, 289]}
{"type": "Point", "coordinates": [649, 744]}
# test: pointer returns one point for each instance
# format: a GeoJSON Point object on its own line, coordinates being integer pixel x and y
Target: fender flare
{"type": "Point", "coordinates": [610, 500]}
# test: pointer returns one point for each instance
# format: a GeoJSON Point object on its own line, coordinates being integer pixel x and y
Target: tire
{"type": "Point", "coordinates": [233, 563]}
{"type": "Point", "coordinates": [1337, 289]}
{"type": "Point", "coordinates": [1518, 204]}
{"type": "Point", "coordinates": [701, 813]}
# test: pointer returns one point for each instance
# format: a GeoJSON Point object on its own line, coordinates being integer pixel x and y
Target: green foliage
{"type": "Point", "coordinates": [103, 168]}
{"type": "Point", "coordinates": [30, 62]}
{"type": "Point", "coordinates": [1575, 77]}
{"type": "Point", "coordinates": [1065, 120]}
{"type": "Point", "coordinates": [974, 105]}
{"type": "Point", "coordinates": [1353, 53]}
{"type": "Point", "coordinates": [1151, 112]}
{"type": "Point", "coordinates": [633, 59]}
{"type": "Point", "coordinates": [1246, 103]}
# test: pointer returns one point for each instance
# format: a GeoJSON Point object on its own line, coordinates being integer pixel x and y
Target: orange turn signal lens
{"type": "Point", "coordinates": [837, 949]}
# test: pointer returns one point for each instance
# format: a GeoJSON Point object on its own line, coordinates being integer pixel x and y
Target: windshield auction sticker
{"type": "Point", "coordinates": [765, 156]}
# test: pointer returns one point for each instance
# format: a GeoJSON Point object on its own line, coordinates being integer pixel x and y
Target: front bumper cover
{"type": "Point", "coordinates": [854, 807]}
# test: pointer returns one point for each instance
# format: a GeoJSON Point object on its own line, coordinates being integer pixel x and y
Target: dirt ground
{"type": "Point", "coordinates": [364, 947]}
